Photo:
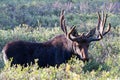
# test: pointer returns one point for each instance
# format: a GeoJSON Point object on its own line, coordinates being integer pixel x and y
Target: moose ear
{"type": "Point", "coordinates": [91, 32]}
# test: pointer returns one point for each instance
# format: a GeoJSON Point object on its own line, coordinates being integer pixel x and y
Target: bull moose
{"type": "Point", "coordinates": [57, 50]}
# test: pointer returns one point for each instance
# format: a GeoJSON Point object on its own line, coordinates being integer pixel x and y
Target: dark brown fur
{"type": "Point", "coordinates": [53, 52]}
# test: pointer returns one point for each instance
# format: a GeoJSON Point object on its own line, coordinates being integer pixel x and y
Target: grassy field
{"type": "Point", "coordinates": [104, 63]}
{"type": "Point", "coordinates": [38, 21]}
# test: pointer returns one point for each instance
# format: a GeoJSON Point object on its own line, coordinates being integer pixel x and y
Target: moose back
{"type": "Point", "coordinates": [57, 50]}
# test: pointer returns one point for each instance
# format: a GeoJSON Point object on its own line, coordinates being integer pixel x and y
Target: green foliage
{"type": "Point", "coordinates": [33, 12]}
{"type": "Point", "coordinates": [38, 21]}
{"type": "Point", "coordinates": [103, 64]}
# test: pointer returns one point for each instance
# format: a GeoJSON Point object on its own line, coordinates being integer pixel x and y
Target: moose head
{"type": "Point", "coordinates": [80, 42]}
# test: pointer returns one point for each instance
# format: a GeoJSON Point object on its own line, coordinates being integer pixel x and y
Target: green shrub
{"type": "Point", "coordinates": [104, 61]}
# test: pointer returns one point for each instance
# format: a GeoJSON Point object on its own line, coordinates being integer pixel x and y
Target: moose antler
{"type": "Point", "coordinates": [62, 22]}
{"type": "Point", "coordinates": [73, 38]}
{"type": "Point", "coordinates": [73, 35]}
{"type": "Point", "coordinates": [100, 27]}
{"type": "Point", "coordinates": [64, 28]}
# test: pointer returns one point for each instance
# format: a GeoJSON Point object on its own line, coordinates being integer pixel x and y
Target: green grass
{"type": "Point", "coordinates": [104, 57]}
{"type": "Point", "coordinates": [24, 20]}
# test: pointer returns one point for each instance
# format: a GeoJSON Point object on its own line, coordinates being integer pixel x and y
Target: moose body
{"type": "Point", "coordinates": [53, 52]}
{"type": "Point", "coordinates": [57, 50]}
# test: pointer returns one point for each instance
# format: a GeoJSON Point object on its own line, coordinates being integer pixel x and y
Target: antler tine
{"type": "Point", "coordinates": [91, 33]}
{"type": "Point", "coordinates": [99, 19]}
{"type": "Point", "coordinates": [69, 34]}
{"type": "Point", "coordinates": [108, 29]}
{"type": "Point", "coordinates": [65, 28]}
{"type": "Point", "coordinates": [62, 22]}
{"type": "Point", "coordinates": [73, 38]}
{"type": "Point", "coordinates": [104, 21]}
{"type": "Point", "coordinates": [96, 39]}
{"type": "Point", "coordinates": [62, 12]}
{"type": "Point", "coordinates": [99, 24]}
{"type": "Point", "coordinates": [103, 18]}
